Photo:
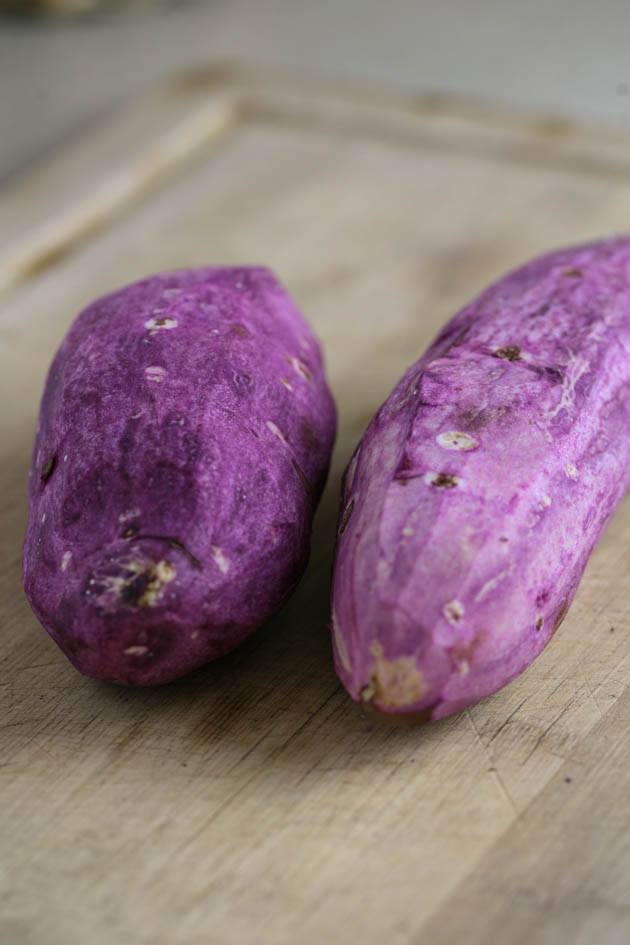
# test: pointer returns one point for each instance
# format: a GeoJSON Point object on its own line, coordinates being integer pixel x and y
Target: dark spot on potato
{"type": "Point", "coordinates": [539, 623]}
{"type": "Point", "coordinates": [307, 436]}
{"type": "Point", "coordinates": [345, 517]}
{"type": "Point", "coordinates": [471, 419]}
{"type": "Point", "coordinates": [555, 374]}
{"type": "Point", "coordinates": [173, 543]}
{"type": "Point", "coordinates": [132, 591]}
{"type": "Point", "coordinates": [70, 517]}
{"type": "Point", "coordinates": [504, 538]}
{"type": "Point", "coordinates": [302, 477]}
{"type": "Point", "coordinates": [509, 353]}
{"type": "Point", "coordinates": [240, 331]}
{"type": "Point", "coordinates": [560, 614]}
{"type": "Point", "coordinates": [243, 384]}
{"type": "Point", "coordinates": [160, 322]}
{"type": "Point", "coordinates": [180, 546]}
{"type": "Point", "coordinates": [48, 468]}
{"type": "Point", "coordinates": [542, 597]}
{"type": "Point", "coordinates": [540, 311]}
{"type": "Point", "coordinates": [444, 481]}
{"type": "Point", "coordinates": [574, 273]}
{"type": "Point", "coordinates": [130, 532]}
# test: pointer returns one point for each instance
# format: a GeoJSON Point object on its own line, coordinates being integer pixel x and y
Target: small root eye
{"type": "Point", "coordinates": [510, 353]}
{"type": "Point", "coordinates": [48, 468]}
{"type": "Point", "coordinates": [444, 481]}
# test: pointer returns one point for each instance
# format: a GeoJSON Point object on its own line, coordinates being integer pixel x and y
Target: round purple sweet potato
{"type": "Point", "coordinates": [184, 439]}
{"type": "Point", "coordinates": [474, 499]}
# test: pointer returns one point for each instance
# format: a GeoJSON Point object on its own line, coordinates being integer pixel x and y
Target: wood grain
{"type": "Point", "coordinates": [252, 801]}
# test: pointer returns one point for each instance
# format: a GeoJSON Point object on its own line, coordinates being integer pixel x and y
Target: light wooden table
{"type": "Point", "coordinates": [251, 802]}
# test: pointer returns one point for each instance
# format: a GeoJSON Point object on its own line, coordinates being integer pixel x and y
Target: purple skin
{"type": "Point", "coordinates": [184, 439]}
{"type": "Point", "coordinates": [477, 493]}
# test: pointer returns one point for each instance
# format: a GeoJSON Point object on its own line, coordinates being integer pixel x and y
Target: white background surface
{"type": "Point", "coordinates": [568, 56]}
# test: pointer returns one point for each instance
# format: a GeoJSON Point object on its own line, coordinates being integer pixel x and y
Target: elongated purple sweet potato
{"type": "Point", "coordinates": [474, 499]}
{"type": "Point", "coordinates": [184, 439]}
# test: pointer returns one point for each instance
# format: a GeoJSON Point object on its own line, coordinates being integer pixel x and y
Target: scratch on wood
{"type": "Point", "coordinates": [546, 730]}
{"type": "Point", "coordinates": [592, 695]}
{"type": "Point", "coordinates": [507, 720]}
{"type": "Point", "coordinates": [497, 777]}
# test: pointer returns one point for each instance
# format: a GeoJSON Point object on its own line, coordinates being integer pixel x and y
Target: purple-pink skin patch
{"type": "Point", "coordinates": [184, 439]}
{"type": "Point", "coordinates": [474, 499]}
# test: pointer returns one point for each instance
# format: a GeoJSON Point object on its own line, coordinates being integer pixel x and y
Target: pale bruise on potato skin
{"type": "Point", "coordinates": [175, 472]}
{"type": "Point", "coordinates": [474, 499]}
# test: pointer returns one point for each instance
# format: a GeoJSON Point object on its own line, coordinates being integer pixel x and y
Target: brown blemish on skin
{"type": "Point", "coordinates": [539, 623]}
{"type": "Point", "coordinates": [472, 419]}
{"type": "Point", "coordinates": [574, 273]}
{"type": "Point", "coordinates": [48, 468]}
{"type": "Point", "coordinates": [444, 481]}
{"type": "Point", "coordinates": [509, 353]}
{"type": "Point", "coordinates": [345, 517]}
{"type": "Point", "coordinates": [302, 477]}
{"type": "Point", "coordinates": [240, 331]}
{"type": "Point", "coordinates": [503, 538]}
{"type": "Point", "coordinates": [134, 583]}
{"type": "Point", "coordinates": [453, 611]}
{"type": "Point", "coordinates": [560, 614]}
{"type": "Point", "coordinates": [130, 532]}
{"type": "Point", "coordinates": [394, 683]}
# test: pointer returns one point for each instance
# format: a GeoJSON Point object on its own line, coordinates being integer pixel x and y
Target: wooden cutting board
{"type": "Point", "coordinates": [252, 802]}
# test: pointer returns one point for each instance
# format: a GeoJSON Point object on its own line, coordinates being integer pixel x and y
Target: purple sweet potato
{"type": "Point", "coordinates": [474, 499]}
{"type": "Point", "coordinates": [184, 439]}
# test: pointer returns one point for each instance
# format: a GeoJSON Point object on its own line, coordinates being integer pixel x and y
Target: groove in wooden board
{"type": "Point", "coordinates": [363, 95]}
{"type": "Point", "coordinates": [252, 799]}
{"type": "Point", "coordinates": [455, 136]}
{"type": "Point", "coordinates": [110, 191]}
{"type": "Point", "coordinates": [227, 94]}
